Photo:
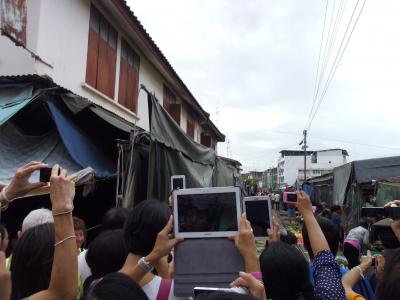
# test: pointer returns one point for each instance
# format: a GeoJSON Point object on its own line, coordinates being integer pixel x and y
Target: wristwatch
{"type": "Point", "coordinates": [145, 265]}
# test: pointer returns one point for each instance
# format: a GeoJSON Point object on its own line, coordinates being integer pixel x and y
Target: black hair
{"type": "Point", "coordinates": [32, 261]}
{"type": "Point", "coordinates": [335, 208]}
{"type": "Point", "coordinates": [388, 238]}
{"type": "Point", "coordinates": [220, 295]}
{"type": "Point", "coordinates": [3, 231]}
{"type": "Point", "coordinates": [363, 223]}
{"type": "Point", "coordinates": [116, 286]}
{"type": "Point", "coordinates": [107, 253]}
{"type": "Point", "coordinates": [285, 273]}
{"type": "Point", "coordinates": [330, 231]}
{"type": "Point", "coordinates": [289, 238]}
{"type": "Point", "coordinates": [388, 286]}
{"type": "Point", "coordinates": [326, 213]}
{"type": "Point", "coordinates": [115, 218]}
{"type": "Point", "coordinates": [144, 222]}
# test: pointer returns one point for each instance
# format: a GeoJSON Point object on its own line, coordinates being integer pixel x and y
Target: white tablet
{"type": "Point", "coordinates": [259, 213]}
{"type": "Point", "coordinates": [178, 182]}
{"type": "Point", "coordinates": [206, 212]}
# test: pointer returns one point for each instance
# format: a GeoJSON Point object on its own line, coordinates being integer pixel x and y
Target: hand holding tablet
{"type": "Point", "coordinates": [258, 212]}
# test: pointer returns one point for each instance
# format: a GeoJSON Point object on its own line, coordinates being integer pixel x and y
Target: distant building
{"type": "Point", "coordinates": [270, 178]}
{"type": "Point", "coordinates": [291, 164]}
{"type": "Point", "coordinates": [252, 182]}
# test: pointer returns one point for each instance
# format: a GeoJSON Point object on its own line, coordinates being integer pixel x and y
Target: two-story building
{"type": "Point", "coordinates": [291, 164]}
{"type": "Point", "coordinates": [100, 51]}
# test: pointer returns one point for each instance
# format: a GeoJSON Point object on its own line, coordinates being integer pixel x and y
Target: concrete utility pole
{"type": "Point", "coordinates": [304, 141]}
{"type": "Point", "coordinates": [305, 154]}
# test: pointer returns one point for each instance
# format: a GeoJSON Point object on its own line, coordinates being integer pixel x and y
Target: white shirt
{"type": "Point", "coordinates": [151, 290]}
{"type": "Point", "coordinates": [83, 267]}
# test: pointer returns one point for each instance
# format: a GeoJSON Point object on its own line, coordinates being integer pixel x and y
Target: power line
{"type": "Point", "coordinates": [340, 55]}
{"type": "Point", "coordinates": [319, 60]}
{"type": "Point", "coordinates": [340, 58]}
{"type": "Point", "coordinates": [325, 59]}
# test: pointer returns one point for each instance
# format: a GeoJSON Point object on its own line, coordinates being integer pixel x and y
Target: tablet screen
{"type": "Point", "coordinates": [207, 212]}
{"type": "Point", "coordinates": [257, 212]}
{"type": "Point", "coordinates": [177, 183]}
{"type": "Point", "coordinates": [291, 197]}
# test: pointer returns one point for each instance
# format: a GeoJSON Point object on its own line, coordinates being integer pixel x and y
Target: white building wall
{"type": "Point", "coordinates": [57, 31]}
{"type": "Point", "coordinates": [292, 167]}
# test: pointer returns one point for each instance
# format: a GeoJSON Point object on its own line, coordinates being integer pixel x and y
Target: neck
{"type": "Point", "coordinates": [128, 269]}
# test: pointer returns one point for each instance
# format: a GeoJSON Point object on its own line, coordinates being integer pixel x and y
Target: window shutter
{"type": "Point", "coordinates": [128, 78]}
{"type": "Point", "coordinates": [175, 111]}
{"type": "Point", "coordinates": [123, 82]}
{"type": "Point", "coordinates": [107, 59]}
{"type": "Point", "coordinates": [205, 139]}
{"type": "Point", "coordinates": [166, 104]}
{"type": "Point", "coordinates": [93, 48]}
{"type": "Point", "coordinates": [92, 55]}
{"type": "Point", "coordinates": [190, 129]}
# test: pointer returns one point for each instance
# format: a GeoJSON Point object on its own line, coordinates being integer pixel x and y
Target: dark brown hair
{"type": "Point", "coordinates": [32, 261]}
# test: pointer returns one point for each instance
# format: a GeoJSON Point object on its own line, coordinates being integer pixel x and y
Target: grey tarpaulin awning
{"type": "Point", "coordinates": [376, 169]}
{"type": "Point", "coordinates": [76, 104]}
{"type": "Point", "coordinates": [341, 177]}
{"type": "Point", "coordinates": [172, 152]}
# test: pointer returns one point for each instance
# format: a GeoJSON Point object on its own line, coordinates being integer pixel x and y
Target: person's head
{"type": "Point", "coordinates": [388, 286]}
{"type": "Point", "coordinates": [331, 233]}
{"type": "Point", "coordinates": [363, 223]}
{"type": "Point", "coordinates": [144, 222]}
{"type": "Point", "coordinates": [32, 261]}
{"type": "Point", "coordinates": [107, 253]}
{"type": "Point", "coordinates": [80, 231]}
{"type": "Point", "coordinates": [336, 209]}
{"type": "Point", "coordinates": [326, 213]}
{"type": "Point", "coordinates": [115, 218]}
{"type": "Point", "coordinates": [3, 238]}
{"type": "Point", "coordinates": [288, 237]}
{"type": "Point", "coordinates": [220, 295]}
{"type": "Point", "coordinates": [36, 217]}
{"type": "Point", "coordinates": [197, 220]}
{"type": "Point", "coordinates": [116, 286]}
{"type": "Point", "coordinates": [285, 273]}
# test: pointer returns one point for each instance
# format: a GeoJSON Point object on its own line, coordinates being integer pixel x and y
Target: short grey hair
{"type": "Point", "coordinates": [37, 217]}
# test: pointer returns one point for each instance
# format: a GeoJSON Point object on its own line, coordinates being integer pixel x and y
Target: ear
{"type": "Point", "coordinates": [19, 234]}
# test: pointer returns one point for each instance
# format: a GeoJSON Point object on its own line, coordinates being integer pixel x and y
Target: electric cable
{"type": "Point", "coordinates": [338, 55]}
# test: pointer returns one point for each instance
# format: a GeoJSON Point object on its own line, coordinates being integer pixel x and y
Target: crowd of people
{"type": "Point", "coordinates": [131, 258]}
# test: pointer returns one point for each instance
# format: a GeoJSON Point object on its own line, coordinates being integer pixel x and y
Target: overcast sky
{"type": "Point", "coordinates": [256, 61]}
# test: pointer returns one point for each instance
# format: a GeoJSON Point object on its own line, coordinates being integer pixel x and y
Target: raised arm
{"type": "Point", "coordinates": [64, 273]}
{"type": "Point", "coordinates": [162, 247]}
{"type": "Point", "coordinates": [354, 275]}
{"type": "Point", "coordinates": [327, 276]}
{"type": "Point", "coordinates": [317, 239]}
{"type": "Point", "coordinates": [246, 245]}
